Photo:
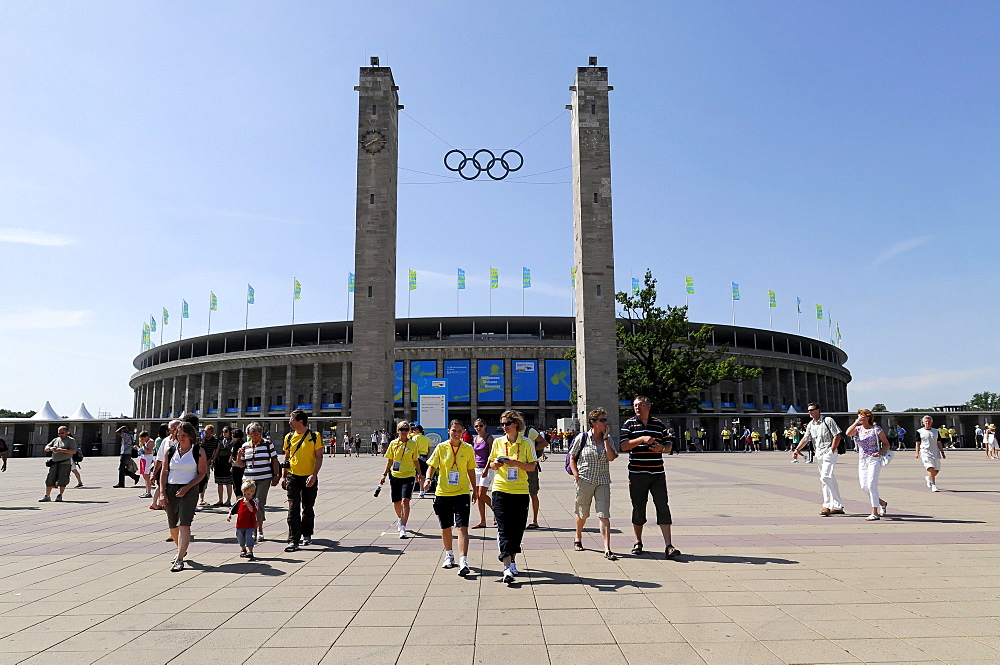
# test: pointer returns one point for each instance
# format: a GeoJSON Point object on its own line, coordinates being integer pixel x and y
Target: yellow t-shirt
{"type": "Point", "coordinates": [422, 442]}
{"type": "Point", "coordinates": [725, 434]}
{"type": "Point", "coordinates": [303, 462]}
{"type": "Point", "coordinates": [446, 462]}
{"type": "Point", "coordinates": [406, 455]}
{"type": "Point", "coordinates": [522, 450]}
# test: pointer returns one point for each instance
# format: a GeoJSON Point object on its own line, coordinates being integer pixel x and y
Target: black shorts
{"type": "Point", "coordinates": [400, 488]}
{"type": "Point", "coordinates": [452, 510]}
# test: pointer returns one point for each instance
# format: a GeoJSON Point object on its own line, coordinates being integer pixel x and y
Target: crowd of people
{"type": "Point", "coordinates": [471, 468]}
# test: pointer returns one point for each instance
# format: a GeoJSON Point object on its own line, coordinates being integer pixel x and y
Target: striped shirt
{"type": "Point", "coordinates": [258, 460]}
{"type": "Point", "coordinates": [641, 459]}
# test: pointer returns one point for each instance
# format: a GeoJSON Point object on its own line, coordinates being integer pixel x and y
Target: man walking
{"type": "Point", "coordinates": [303, 460]}
{"type": "Point", "coordinates": [930, 450]}
{"type": "Point", "coordinates": [644, 439]}
{"type": "Point", "coordinates": [125, 457]}
{"type": "Point", "coordinates": [824, 434]}
{"type": "Point", "coordinates": [62, 448]}
{"type": "Point", "coordinates": [539, 442]}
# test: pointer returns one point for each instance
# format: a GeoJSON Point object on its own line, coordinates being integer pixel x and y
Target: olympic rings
{"type": "Point", "coordinates": [471, 168]}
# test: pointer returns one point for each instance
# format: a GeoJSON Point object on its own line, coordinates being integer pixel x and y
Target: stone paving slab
{"type": "Point", "coordinates": [763, 579]}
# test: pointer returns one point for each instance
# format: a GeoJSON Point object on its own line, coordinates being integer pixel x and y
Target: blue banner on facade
{"type": "Point", "coordinates": [397, 389]}
{"type": "Point", "coordinates": [490, 380]}
{"type": "Point", "coordinates": [420, 370]}
{"type": "Point", "coordinates": [457, 373]}
{"type": "Point", "coordinates": [558, 382]}
{"type": "Point", "coordinates": [524, 381]}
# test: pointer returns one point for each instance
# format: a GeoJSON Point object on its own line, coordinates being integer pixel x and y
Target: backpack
{"type": "Point", "coordinates": [569, 453]}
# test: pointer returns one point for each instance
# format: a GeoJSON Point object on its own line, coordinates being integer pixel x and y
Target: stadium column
{"type": "Point", "coordinates": [375, 251]}
{"type": "Point", "coordinates": [345, 389]}
{"type": "Point", "coordinates": [263, 393]}
{"type": "Point", "coordinates": [241, 393]}
{"type": "Point", "coordinates": [203, 393]}
{"type": "Point", "coordinates": [186, 399]}
{"type": "Point", "coordinates": [289, 401]}
{"type": "Point", "coordinates": [593, 246]}
{"type": "Point", "coordinates": [316, 397]}
{"type": "Point", "coordinates": [220, 394]}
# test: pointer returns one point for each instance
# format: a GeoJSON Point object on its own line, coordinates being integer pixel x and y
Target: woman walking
{"type": "Point", "coordinates": [482, 444]}
{"type": "Point", "coordinates": [184, 465]}
{"type": "Point", "coordinates": [872, 445]}
{"type": "Point", "coordinates": [401, 462]}
{"type": "Point", "coordinates": [222, 469]}
{"type": "Point", "coordinates": [454, 461]}
{"type": "Point", "coordinates": [236, 468]}
{"type": "Point", "coordinates": [512, 456]}
{"type": "Point", "coordinates": [146, 445]}
{"type": "Point", "coordinates": [260, 464]}
{"type": "Point", "coordinates": [589, 460]}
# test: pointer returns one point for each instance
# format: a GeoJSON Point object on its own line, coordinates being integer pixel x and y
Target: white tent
{"type": "Point", "coordinates": [82, 413]}
{"type": "Point", "coordinates": [47, 413]}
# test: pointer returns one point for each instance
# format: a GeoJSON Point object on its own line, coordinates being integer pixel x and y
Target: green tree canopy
{"type": "Point", "coordinates": [7, 413]}
{"type": "Point", "coordinates": [879, 408]}
{"type": "Point", "coordinates": [664, 359]}
{"type": "Point", "coordinates": [985, 401]}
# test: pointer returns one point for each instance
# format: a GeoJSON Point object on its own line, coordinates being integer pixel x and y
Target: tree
{"type": "Point", "coordinates": [664, 359]}
{"type": "Point", "coordinates": [879, 408]}
{"type": "Point", "coordinates": [985, 401]}
{"type": "Point", "coordinates": [7, 413]}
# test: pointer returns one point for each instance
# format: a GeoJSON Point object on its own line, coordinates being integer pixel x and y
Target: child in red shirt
{"type": "Point", "coordinates": [245, 510]}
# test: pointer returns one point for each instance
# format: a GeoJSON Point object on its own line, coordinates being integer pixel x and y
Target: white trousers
{"type": "Point", "coordinates": [869, 469]}
{"type": "Point", "coordinates": [827, 462]}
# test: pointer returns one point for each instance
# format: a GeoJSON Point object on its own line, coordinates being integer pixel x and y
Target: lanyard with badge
{"type": "Point", "coordinates": [512, 471]}
{"type": "Point", "coordinates": [397, 462]}
{"type": "Point", "coordinates": [453, 475]}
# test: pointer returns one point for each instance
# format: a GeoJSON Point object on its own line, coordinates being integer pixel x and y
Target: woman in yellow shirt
{"type": "Point", "coordinates": [512, 457]}
{"type": "Point", "coordinates": [401, 462]}
{"type": "Point", "coordinates": [455, 462]}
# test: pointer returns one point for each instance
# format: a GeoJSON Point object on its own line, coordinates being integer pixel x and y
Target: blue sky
{"type": "Point", "coordinates": [843, 153]}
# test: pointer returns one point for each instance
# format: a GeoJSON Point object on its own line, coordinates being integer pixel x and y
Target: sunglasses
{"type": "Point", "coordinates": [478, 426]}
{"type": "Point", "coordinates": [600, 420]}
{"type": "Point", "coordinates": [403, 429]}
{"type": "Point", "coordinates": [508, 424]}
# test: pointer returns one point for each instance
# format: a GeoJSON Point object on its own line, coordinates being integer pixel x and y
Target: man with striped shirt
{"type": "Point", "coordinates": [644, 438]}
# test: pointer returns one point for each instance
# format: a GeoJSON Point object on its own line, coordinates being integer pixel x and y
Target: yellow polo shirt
{"type": "Point", "coordinates": [406, 455]}
{"type": "Point", "coordinates": [523, 451]}
{"type": "Point", "coordinates": [446, 461]}
{"type": "Point", "coordinates": [303, 462]}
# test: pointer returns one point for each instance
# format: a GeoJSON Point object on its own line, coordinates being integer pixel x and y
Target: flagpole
{"type": "Point", "coordinates": [161, 332]}
{"type": "Point", "coordinates": [458, 293]}
{"type": "Point", "coordinates": [182, 322]}
{"type": "Point", "coordinates": [409, 292]}
{"type": "Point", "coordinates": [734, 311]}
{"type": "Point", "coordinates": [522, 297]}
{"type": "Point", "coordinates": [209, 319]}
{"type": "Point", "coordinates": [293, 301]}
{"type": "Point", "coordinates": [491, 290]}
{"type": "Point", "coordinates": [246, 322]}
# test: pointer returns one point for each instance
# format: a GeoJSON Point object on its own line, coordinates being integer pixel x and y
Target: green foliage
{"type": "Point", "coordinates": [879, 408]}
{"type": "Point", "coordinates": [917, 410]}
{"type": "Point", "coordinates": [984, 401]}
{"type": "Point", "coordinates": [664, 359]}
{"type": "Point", "coordinates": [7, 413]}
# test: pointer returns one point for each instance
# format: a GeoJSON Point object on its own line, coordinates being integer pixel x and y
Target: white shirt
{"type": "Point", "coordinates": [928, 441]}
{"type": "Point", "coordinates": [183, 468]}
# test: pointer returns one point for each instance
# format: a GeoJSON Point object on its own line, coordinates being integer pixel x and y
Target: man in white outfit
{"type": "Point", "coordinates": [930, 451]}
{"type": "Point", "coordinates": [825, 436]}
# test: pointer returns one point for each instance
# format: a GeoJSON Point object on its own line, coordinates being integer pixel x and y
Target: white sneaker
{"type": "Point", "coordinates": [449, 561]}
{"type": "Point", "coordinates": [928, 479]}
{"type": "Point", "coordinates": [882, 509]}
{"type": "Point", "coordinates": [463, 571]}
{"type": "Point", "coordinates": [872, 518]}
{"type": "Point", "coordinates": [508, 577]}
{"type": "Point", "coordinates": [423, 493]}
{"type": "Point", "coordinates": [513, 569]}
{"type": "Point", "coordinates": [402, 533]}
{"type": "Point", "coordinates": [934, 488]}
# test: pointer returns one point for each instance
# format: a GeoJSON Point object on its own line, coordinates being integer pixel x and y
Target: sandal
{"type": "Point", "coordinates": [533, 525]}
{"type": "Point", "coordinates": [481, 525]}
{"type": "Point", "coordinates": [610, 556]}
{"type": "Point", "coordinates": [178, 566]}
{"type": "Point", "coordinates": [672, 552]}
{"type": "Point", "coordinates": [578, 545]}
{"type": "Point", "coordinates": [637, 549]}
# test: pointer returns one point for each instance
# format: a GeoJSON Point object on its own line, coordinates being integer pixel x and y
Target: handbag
{"type": "Point", "coordinates": [885, 458]}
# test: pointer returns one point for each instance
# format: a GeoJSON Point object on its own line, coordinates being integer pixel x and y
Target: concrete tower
{"type": "Point", "coordinates": [593, 246]}
{"type": "Point", "coordinates": [375, 252]}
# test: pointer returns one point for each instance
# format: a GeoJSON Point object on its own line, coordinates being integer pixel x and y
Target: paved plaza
{"type": "Point", "coordinates": [763, 579]}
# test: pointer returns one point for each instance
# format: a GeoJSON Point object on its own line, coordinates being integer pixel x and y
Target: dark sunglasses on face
{"type": "Point", "coordinates": [404, 429]}
{"type": "Point", "coordinates": [600, 420]}
{"type": "Point", "coordinates": [508, 424]}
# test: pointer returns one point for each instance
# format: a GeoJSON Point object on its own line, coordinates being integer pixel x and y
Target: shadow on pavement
{"type": "Point", "coordinates": [256, 567]}
{"type": "Point", "coordinates": [749, 560]}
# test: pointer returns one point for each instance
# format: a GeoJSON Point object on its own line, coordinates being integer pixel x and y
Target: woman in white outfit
{"type": "Point", "coordinates": [872, 444]}
{"type": "Point", "coordinates": [990, 441]}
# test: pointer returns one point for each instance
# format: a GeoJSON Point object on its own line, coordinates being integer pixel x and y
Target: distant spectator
{"type": "Point", "coordinates": [125, 457]}
{"type": "Point", "coordinates": [62, 448]}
